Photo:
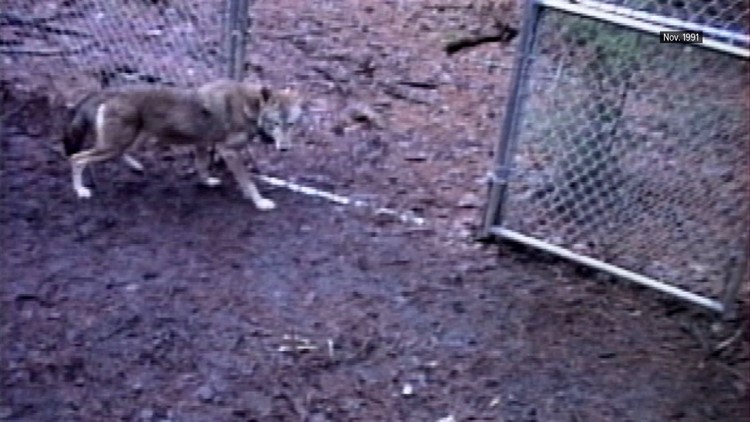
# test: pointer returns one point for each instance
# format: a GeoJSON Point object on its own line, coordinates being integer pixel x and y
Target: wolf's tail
{"type": "Point", "coordinates": [80, 125]}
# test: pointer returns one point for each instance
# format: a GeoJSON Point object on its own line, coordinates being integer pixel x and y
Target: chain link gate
{"type": "Point", "coordinates": [96, 43]}
{"type": "Point", "coordinates": [630, 155]}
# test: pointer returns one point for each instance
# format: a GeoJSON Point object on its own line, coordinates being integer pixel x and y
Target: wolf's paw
{"type": "Point", "coordinates": [212, 182]}
{"type": "Point", "coordinates": [83, 192]}
{"type": "Point", "coordinates": [264, 204]}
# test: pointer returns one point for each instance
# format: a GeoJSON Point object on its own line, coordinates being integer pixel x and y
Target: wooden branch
{"type": "Point", "coordinates": [444, 7]}
{"type": "Point", "coordinates": [399, 94]}
{"type": "Point", "coordinates": [503, 35]}
{"type": "Point", "coordinates": [420, 84]}
{"type": "Point", "coordinates": [327, 74]}
{"type": "Point", "coordinates": [322, 31]}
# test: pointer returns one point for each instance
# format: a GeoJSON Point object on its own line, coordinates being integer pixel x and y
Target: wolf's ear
{"type": "Point", "coordinates": [265, 93]}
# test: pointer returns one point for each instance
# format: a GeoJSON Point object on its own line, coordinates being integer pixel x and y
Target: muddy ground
{"type": "Point", "coordinates": [160, 299]}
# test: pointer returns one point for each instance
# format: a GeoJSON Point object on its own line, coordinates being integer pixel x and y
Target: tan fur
{"type": "Point", "coordinates": [223, 115]}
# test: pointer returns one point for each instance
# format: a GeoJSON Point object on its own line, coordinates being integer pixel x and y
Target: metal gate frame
{"type": "Point", "coordinates": [492, 225]}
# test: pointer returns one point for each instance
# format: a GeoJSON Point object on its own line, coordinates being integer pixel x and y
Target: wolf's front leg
{"type": "Point", "coordinates": [132, 163]}
{"type": "Point", "coordinates": [249, 190]}
{"type": "Point", "coordinates": [202, 164]}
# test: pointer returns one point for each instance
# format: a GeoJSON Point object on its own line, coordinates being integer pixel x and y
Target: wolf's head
{"type": "Point", "coordinates": [279, 112]}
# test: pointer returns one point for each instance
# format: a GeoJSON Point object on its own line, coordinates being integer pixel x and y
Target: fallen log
{"type": "Point", "coordinates": [503, 34]}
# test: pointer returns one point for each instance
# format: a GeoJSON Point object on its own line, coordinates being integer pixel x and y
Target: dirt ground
{"type": "Point", "coordinates": [161, 300]}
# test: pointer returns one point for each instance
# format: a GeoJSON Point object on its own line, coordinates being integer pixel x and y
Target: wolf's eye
{"type": "Point", "coordinates": [270, 121]}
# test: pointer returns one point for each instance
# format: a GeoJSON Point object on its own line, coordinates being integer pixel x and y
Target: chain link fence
{"type": "Point", "coordinates": [628, 154]}
{"type": "Point", "coordinates": [81, 45]}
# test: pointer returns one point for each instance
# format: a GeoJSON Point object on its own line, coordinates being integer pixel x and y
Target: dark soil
{"type": "Point", "coordinates": [159, 299]}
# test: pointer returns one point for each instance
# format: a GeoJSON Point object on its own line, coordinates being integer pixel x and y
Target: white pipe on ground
{"type": "Point", "coordinates": [405, 217]}
{"type": "Point", "coordinates": [609, 268]}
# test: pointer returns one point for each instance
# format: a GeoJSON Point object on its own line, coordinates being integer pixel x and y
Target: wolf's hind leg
{"type": "Point", "coordinates": [112, 137]}
{"type": "Point", "coordinates": [131, 161]}
{"type": "Point", "coordinates": [80, 160]}
{"type": "Point", "coordinates": [77, 175]}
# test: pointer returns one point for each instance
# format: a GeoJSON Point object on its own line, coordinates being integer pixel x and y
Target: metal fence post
{"type": "Point", "coordinates": [229, 39]}
{"type": "Point", "coordinates": [503, 154]}
{"type": "Point", "coordinates": [236, 25]}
